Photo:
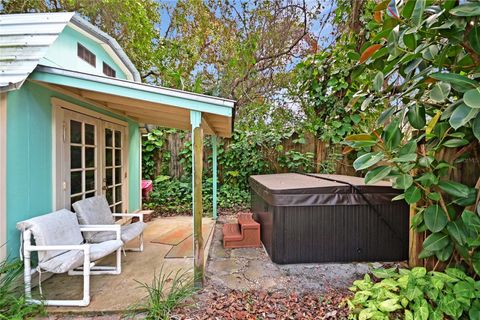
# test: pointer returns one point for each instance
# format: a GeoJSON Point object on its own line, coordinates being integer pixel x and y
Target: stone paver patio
{"type": "Point", "coordinates": [252, 269]}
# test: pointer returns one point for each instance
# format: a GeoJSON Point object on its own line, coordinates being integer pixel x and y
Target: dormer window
{"type": "Point", "coordinates": [108, 71]}
{"type": "Point", "coordinates": [86, 55]}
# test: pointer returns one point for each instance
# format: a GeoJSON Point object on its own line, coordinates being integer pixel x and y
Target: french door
{"type": "Point", "coordinates": [92, 160]}
{"type": "Point", "coordinates": [113, 182]}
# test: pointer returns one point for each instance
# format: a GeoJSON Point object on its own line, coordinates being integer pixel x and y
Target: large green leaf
{"type": "Point", "coordinates": [471, 219]}
{"type": "Point", "coordinates": [392, 135]}
{"type": "Point", "coordinates": [427, 179]}
{"type": "Point", "coordinates": [467, 10]}
{"type": "Point", "coordinates": [474, 312]}
{"type": "Point", "coordinates": [389, 305]}
{"type": "Point", "coordinates": [408, 148]}
{"type": "Point", "coordinates": [377, 174]}
{"type": "Point", "coordinates": [410, 157]}
{"type": "Point", "coordinates": [413, 194]}
{"type": "Point", "coordinates": [476, 126]}
{"type": "Point", "coordinates": [435, 218]}
{"type": "Point", "coordinates": [476, 262]}
{"type": "Point", "coordinates": [458, 82]}
{"type": "Point", "coordinates": [440, 91]}
{"type": "Point", "coordinates": [457, 231]}
{"type": "Point", "coordinates": [472, 98]}
{"type": "Point", "coordinates": [417, 14]}
{"type": "Point", "coordinates": [367, 160]}
{"type": "Point", "coordinates": [421, 310]}
{"type": "Point", "coordinates": [378, 81]}
{"type": "Point", "coordinates": [474, 39]}
{"type": "Point", "coordinates": [436, 241]}
{"type": "Point", "coordinates": [455, 189]}
{"type": "Point", "coordinates": [403, 181]}
{"type": "Point", "coordinates": [454, 143]}
{"type": "Point", "coordinates": [462, 115]}
{"type": "Point", "coordinates": [464, 289]}
{"type": "Point", "coordinates": [416, 116]}
{"type": "Point", "coordinates": [410, 41]}
{"type": "Point", "coordinates": [445, 253]}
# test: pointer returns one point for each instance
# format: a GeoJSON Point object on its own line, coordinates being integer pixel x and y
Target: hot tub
{"type": "Point", "coordinates": [329, 218]}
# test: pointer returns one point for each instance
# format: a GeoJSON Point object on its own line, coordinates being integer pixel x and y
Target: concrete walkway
{"type": "Point", "coordinates": [120, 293]}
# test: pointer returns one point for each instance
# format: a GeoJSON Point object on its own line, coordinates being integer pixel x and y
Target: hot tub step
{"type": "Point", "coordinates": [244, 234]}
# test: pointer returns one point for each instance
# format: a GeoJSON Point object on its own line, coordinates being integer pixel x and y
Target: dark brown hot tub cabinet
{"type": "Point", "coordinates": [329, 218]}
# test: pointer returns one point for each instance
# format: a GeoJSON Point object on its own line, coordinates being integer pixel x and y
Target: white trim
{"type": "Point", "coordinates": [60, 110]}
{"type": "Point", "coordinates": [59, 103]}
{"type": "Point", "coordinates": [3, 175]}
{"type": "Point", "coordinates": [196, 97]}
{"type": "Point", "coordinates": [107, 48]}
{"type": "Point", "coordinates": [141, 170]}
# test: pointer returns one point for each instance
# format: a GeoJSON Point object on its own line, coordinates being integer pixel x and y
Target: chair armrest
{"type": "Point", "coordinates": [99, 227]}
{"type": "Point", "coordinates": [132, 215]}
{"type": "Point", "coordinates": [103, 227]}
{"type": "Point", "coordinates": [83, 247]}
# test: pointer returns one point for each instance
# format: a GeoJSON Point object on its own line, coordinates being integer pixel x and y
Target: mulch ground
{"type": "Point", "coordinates": [264, 305]}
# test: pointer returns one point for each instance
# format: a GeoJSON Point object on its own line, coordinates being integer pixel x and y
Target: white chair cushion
{"type": "Point", "coordinates": [56, 228]}
{"type": "Point", "coordinates": [74, 258]}
{"type": "Point", "coordinates": [93, 210]}
{"type": "Point", "coordinates": [100, 250]}
{"type": "Point", "coordinates": [128, 233]}
{"type": "Point", "coordinates": [62, 263]}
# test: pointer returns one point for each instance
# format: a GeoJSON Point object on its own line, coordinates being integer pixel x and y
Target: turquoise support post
{"type": "Point", "coordinates": [214, 177]}
{"type": "Point", "coordinates": [195, 121]}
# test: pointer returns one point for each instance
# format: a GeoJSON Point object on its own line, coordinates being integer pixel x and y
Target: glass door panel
{"type": "Point", "coordinates": [114, 166]}
{"type": "Point", "coordinates": [81, 138]}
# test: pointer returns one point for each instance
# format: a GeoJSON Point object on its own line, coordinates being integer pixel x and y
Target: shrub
{"type": "Point", "coordinates": [415, 294]}
{"type": "Point", "coordinates": [174, 196]}
{"type": "Point", "coordinates": [166, 292]}
{"type": "Point", "coordinates": [12, 302]}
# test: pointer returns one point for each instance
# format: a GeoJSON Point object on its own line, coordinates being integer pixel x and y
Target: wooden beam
{"type": "Point", "coordinates": [165, 123]}
{"type": "Point", "coordinates": [71, 93]}
{"type": "Point", "coordinates": [129, 103]}
{"type": "Point", "coordinates": [141, 105]}
{"type": "Point", "coordinates": [157, 117]}
{"type": "Point", "coordinates": [208, 128]}
{"type": "Point", "coordinates": [198, 207]}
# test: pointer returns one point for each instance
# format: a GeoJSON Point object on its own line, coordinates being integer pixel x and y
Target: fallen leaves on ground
{"type": "Point", "coordinates": [265, 305]}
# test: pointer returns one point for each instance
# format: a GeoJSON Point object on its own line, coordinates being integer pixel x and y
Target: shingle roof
{"type": "Point", "coordinates": [25, 39]}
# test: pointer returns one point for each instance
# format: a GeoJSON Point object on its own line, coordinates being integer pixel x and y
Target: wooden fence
{"type": "Point", "coordinates": [175, 148]}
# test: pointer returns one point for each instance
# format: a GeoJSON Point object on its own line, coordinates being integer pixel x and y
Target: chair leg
{"type": "Point", "coordinates": [119, 261]}
{"type": "Point", "coordinates": [27, 273]}
{"type": "Point", "coordinates": [140, 247]}
{"type": "Point", "coordinates": [86, 278]}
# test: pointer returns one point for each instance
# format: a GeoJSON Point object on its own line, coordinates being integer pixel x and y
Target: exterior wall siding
{"type": "Point", "coordinates": [63, 54]}
{"type": "Point", "coordinates": [29, 157]}
{"type": "Point", "coordinates": [134, 166]}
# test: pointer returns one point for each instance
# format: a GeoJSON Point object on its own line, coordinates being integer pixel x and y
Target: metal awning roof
{"type": "Point", "coordinates": [25, 39]}
{"type": "Point", "coordinates": [141, 102]}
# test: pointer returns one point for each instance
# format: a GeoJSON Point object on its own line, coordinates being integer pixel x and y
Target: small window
{"type": "Point", "coordinates": [86, 55]}
{"type": "Point", "coordinates": [107, 70]}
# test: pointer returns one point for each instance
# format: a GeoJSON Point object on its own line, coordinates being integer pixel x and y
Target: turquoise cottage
{"type": "Point", "coordinates": [71, 108]}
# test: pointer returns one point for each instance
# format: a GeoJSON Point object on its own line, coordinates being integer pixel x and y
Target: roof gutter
{"type": "Point", "coordinates": [138, 86]}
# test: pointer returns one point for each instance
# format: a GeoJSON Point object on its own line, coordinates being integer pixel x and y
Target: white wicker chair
{"type": "Point", "coordinates": [95, 210]}
{"type": "Point", "coordinates": [61, 248]}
